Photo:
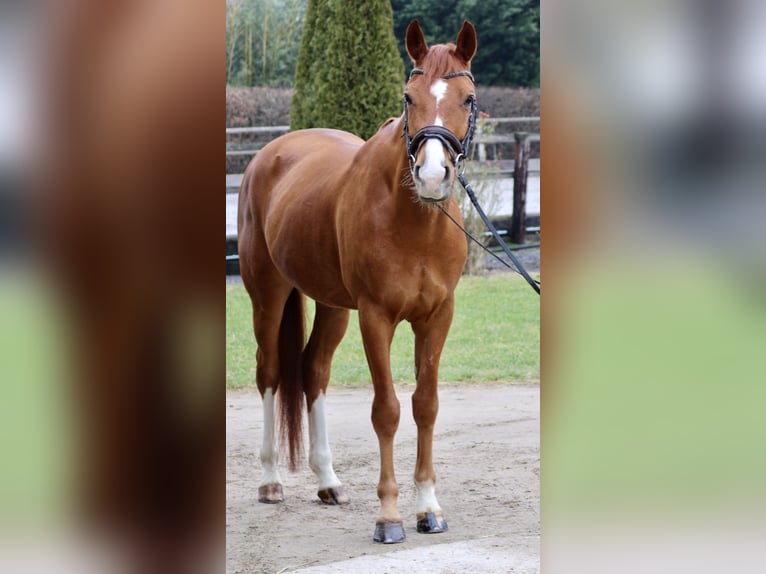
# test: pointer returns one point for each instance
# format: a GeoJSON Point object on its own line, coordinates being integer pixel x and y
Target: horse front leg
{"type": "Point", "coordinates": [377, 332]}
{"type": "Point", "coordinates": [430, 335]}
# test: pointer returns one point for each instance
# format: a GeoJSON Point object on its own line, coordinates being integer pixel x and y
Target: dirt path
{"type": "Point", "coordinates": [486, 455]}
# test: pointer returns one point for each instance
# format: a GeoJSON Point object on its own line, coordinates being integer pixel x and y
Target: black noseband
{"type": "Point", "coordinates": [448, 139]}
{"type": "Point", "coordinates": [457, 149]}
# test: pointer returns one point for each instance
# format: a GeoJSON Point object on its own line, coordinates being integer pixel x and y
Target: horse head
{"type": "Point", "coordinates": [439, 110]}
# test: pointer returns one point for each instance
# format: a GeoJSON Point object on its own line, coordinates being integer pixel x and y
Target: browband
{"type": "Point", "coordinates": [455, 74]}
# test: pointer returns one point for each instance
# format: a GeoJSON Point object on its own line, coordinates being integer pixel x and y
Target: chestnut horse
{"type": "Point", "coordinates": [355, 225]}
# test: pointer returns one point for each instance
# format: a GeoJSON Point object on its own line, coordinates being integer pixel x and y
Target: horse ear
{"type": "Point", "coordinates": [415, 42]}
{"type": "Point", "coordinates": [466, 42]}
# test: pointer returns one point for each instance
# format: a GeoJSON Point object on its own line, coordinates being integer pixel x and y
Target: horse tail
{"type": "Point", "coordinates": [291, 397]}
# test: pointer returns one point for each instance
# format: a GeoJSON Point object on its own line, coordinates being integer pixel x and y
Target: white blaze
{"type": "Point", "coordinates": [320, 456]}
{"type": "Point", "coordinates": [439, 90]}
{"type": "Point", "coordinates": [432, 171]}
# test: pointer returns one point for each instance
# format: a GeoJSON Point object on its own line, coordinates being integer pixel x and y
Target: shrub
{"type": "Point", "coordinates": [349, 73]}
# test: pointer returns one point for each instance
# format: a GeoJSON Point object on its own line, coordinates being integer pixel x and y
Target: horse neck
{"type": "Point", "coordinates": [390, 153]}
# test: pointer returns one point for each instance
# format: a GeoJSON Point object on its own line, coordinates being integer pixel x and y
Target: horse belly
{"type": "Point", "coordinates": [299, 228]}
{"type": "Point", "coordinates": [308, 260]}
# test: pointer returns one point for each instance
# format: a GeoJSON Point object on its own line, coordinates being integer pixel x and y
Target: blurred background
{"type": "Point", "coordinates": [112, 310]}
{"type": "Point", "coordinates": [653, 312]}
{"type": "Point", "coordinates": [111, 314]}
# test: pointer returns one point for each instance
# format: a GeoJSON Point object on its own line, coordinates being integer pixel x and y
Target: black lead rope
{"type": "Point", "coordinates": [457, 150]}
{"type": "Point", "coordinates": [473, 238]}
{"type": "Point", "coordinates": [519, 267]}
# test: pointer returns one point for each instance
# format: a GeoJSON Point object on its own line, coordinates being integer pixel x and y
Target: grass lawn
{"type": "Point", "coordinates": [495, 336]}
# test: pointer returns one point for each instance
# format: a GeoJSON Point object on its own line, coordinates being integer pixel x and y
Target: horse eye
{"type": "Point", "coordinates": [469, 100]}
{"type": "Point", "coordinates": [407, 99]}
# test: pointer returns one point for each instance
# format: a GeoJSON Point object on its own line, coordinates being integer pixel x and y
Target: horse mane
{"type": "Point", "coordinates": [439, 61]}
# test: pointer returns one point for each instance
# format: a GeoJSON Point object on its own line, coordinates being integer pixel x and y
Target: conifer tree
{"type": "Point", "coordinates": [349, 73]}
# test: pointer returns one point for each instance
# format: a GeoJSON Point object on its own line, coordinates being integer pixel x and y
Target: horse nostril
{"type": "Point", "coordinates": [417, 172]}
{"type": "Point", "coordinates": [446, 173]}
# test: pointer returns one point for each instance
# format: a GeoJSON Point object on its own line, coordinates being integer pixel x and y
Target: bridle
{"type": "Point", "coordinates": [458, 149]}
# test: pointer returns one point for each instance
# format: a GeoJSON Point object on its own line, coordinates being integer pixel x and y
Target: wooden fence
{"type": "Point", "coordinates": [484, 145]}
{"type": "Point", "coordinates": [481, 141]}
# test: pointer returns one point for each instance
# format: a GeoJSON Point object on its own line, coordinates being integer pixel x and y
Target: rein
{"type": "Point", "coordinates": [534, 283]}
{"type": "Point", "coordinates": [458, 151]}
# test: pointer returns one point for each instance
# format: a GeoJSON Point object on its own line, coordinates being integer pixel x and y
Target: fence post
{"type": "Point", "coordinates": [520, 167]}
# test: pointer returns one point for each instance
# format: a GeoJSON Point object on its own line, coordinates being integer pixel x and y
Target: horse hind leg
{"type": "Point", "coordinates": [329, 328]}
{"type": "Point", "coordinates": [270, 488]}
{"type": "Point", "coordinates": [270, 294]}
{"type": "Point", "coordinates": [267, 315]}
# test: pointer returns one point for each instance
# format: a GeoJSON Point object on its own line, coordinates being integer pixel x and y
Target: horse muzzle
{"type": "Point", "coordinates": [435, 176]}
{"type": "Point", "coordinates": [435, 153]}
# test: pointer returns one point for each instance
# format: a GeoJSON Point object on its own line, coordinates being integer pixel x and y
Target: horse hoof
{"type": "Point", "coordinates": [389, 532]}
{"type": "Point", "coordinates": [270, 493]}
{"type": "Point", "coordinates": [333, 495]}
{"type": "Point", "coordinates": [432, 523]}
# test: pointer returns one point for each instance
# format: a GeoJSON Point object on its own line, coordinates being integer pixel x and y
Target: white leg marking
{"type": "Point", "coordinates": [426, 497]}
{"type": "Point", "coordinates": [320, 456]}
{"type": "Point", "coordinates": [269, 451]}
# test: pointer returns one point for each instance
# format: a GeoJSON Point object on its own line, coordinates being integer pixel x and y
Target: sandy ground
{"type": "Point", "coordinates": [486, 456]}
